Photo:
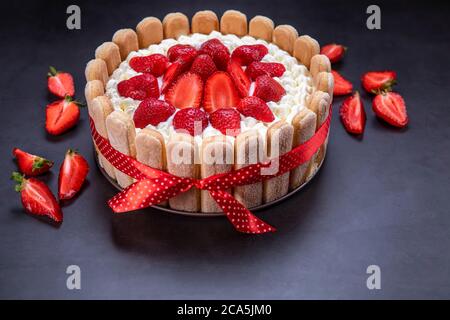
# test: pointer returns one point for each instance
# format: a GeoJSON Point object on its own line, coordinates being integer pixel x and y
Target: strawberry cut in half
{"type": "Point", "coordinates": [30, 164]}
{"type": "Point", "coordinates": [172, 72]}
{"type": "Point", "coordinates": [226, 120]}
{"type": "Point", "coordinates": [182, 52]}
{"type": "Point", "coordinates": [246, 54]}
{"type": "Point", "coordinates": [220, 92]}
{"type": "Point", "coordinates": [241, 81]}
{"type": "Point", "coordinates": [391, 107]}
{"type": "Point", "coordinates": [60, 83]}
{"type": "Point", "coordinates": [190, 120]}
{"type": "Point", "coordinates": [218, 51]}
{"type": "Point", "coordinates": [156, 64]}
{"type": "Point", "coordinates": [341, 85]}
{"type": "Point", "coordinates": [186, 92]}
{"type": "Point", "coordinates": [334, 52]}
{"type": "Point", "coordinates": [273, 69]}
{"type": "Point", "coordinates": [139, 87]}
{"type": "Point", "coordinates": [378, 81]}
{"type": "Point", "coordinates": [256, 108]}
{"type": "Point", "coordinates": [352, 114]}
{"type": "Point", "coordinates": [61, 116]}
{"type": "Point", "coordinates": [152, 111]}
{"type": "Point", "coordinates": [204, 66]}
{"type": "Point", "coordinates": [72, 175]}
{"type": "Point", "coordinates": [37, 198]}
{"type": "Point", "coordinates": [268, 89]}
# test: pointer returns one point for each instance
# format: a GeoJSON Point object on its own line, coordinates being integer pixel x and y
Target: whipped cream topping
{"type": "Point", "coordinates": [296, 80]}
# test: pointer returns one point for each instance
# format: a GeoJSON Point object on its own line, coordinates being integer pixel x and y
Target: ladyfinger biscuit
{"type": "Point", "coordinates": [261, 27]}
{"type": "Point", "coordinates": [96, 70]}
{"type": "Point", "coordinates": [305, 48]}
{"type": "Point", "coordinates": [175, 24]}
{"type": "Point", "coordinates": [284, 37]}
{"type": "Point", "coordinates": [249, 148]}
{"type": "Point", "coordinates": [110, 53]}
{"type": "Point", "coordinates": [121, 135]}
{"type": "Point", "coordinates": [319, 63]}
{"type": "Point", "coordinates": [324, 81]}
{"type": "Point", "coordinates": [216, 157]}
{"type": "Point", "coordinates": [233, 22]}
{"type": "Point", "coordinates": [127, 41]}
{"type": "Point", "coordinates": [304, 124]}
{"type": "Point", "coordinates": [149, 31]}
{"type": "Point", "coordinates": [204, 22]}
{"type": "Point", "coordinates": [93, 89]}
{"type": "Point", "coordinates": [279, 141]}
{"type": "Point", "coordinates": [181, 152]}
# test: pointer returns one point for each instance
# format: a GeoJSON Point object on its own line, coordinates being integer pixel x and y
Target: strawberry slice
{"type": "Point", "coordinates": [204, 66]}
{"type": "Point", "coordinates": [61, 115]}
{"type": "Point", "coordinates": [353, 115]}
{"type": "Point", "coordinates": [190, 120]}
{"type": "Point", "coordinates": [273, 69]}
{"type": "Point", "coordinates": [226, 120]}
{"type": "Point", "coordinates": [72, 174]}
{"type": "Point", "coordinates": [268, 89]}
{"type": "Point", "coordinates": [156, 64]}
{"type": "Point", "coordinates": [152, 111]}
{"type": "Point", "coordinates": [37, 198]}
{"type": "Point", "coordinates": [60, 83]}
{"type": "Point", "coordinates": [241, 81]}
{"type": "Point", "coordinates": [172, 72]}
{"type": "Point", "coordinates": [30, 164]}
{"type": "Point", "coordinates": [186, 91]}
{"type": "Point", "coordinates": [246, 54]}
{"type": "Point", "coordinates": [341, 85]}
{"type": "Point", "coordinates": [334, 52]}
{"type": "Point", "coordinates": [218, 51]}
{"type": "Point", "coordinates": [377, 81]}
{"type": "Point", "coordinates": [391, 107]}
{"type": "Point", "coordinates": [220, 92]}
{"type": "Point", "coordinates": [139, 87]}
{"type": "Point", "coordinates": [256, 108]}
{"type": "Point", "coordinates": [184, 52]}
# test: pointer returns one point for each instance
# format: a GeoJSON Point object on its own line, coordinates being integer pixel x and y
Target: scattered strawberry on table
{"type": "Point", "coordinates": [61, 115]}
{"type": "Point", "coordinates": [390, 107]}
{"type": "Point", "coordinates": [60, 83]}
{"type": "Point", "coordinates": [72, 175]}
{"type": "Point", "coordinates": [377, 81]}
{"type": "Point", "coordinates": [30, 164]}
{"type": "Point", "coordinates": [334, 52]}
{"type": "Point", "coordinates": [341, 85]}
{"type": "Point", "coordinates": [353, 115]}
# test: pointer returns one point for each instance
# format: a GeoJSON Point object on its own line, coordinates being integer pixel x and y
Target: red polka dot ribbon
{"type": "Point", "coordinates": [154, 186]}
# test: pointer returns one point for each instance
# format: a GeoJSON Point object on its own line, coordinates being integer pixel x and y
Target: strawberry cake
{"type": "Point", "coordinates": [206, 96]}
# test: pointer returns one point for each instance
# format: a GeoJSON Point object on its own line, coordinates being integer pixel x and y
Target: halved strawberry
{"type": "Point", "coordinates": [204, 66]}
{"type": "Point", "coordinates": [391, 107]}
{"type": "Point", "coordinates": [218, 51]}
{"type": "Point", "coordinates": [246, 54]}
{"type": "Point", "coordinates": [353, 115]}
{"type": "Point", "coordinates": [377, 81]}
{"type": "Point", "coordinates": [186, 91]}
{"type": "Point", "coordinates": [334, 52]}
{"type": "Point", "coordinates": [30, 164]}
{"type": "Point", "coordinates": [341, 85]}
{"type": "Point", "coordinates": [152, 111]}
{"type": "Point", "coordinates": [172, 72]}
{"type": "Point", "coordinates": [256, 108]}
{"type": "Point", "coordinates": [37, 198]}
{"type": "Point", "coordinates": [273, 69]}
{"type": "Point", "coordinates": [72, 174]}
{"type": "Point", "coordinates": [241, 81]}
{"type": "Point", "coordinates": [191, 120]}
{"type": "Point", "coordinates": [155, 64]}
{"type": "Point", "coordinates": [226, 120]}
{"type": "Point", "coordinates": [220, 92]}
{"type": "Point", "coordinates": [139, 87]}
{"type": "Point", "coordinates": [268, 89]}
{"type": "Point", "coordinates": [60, 83]}
{"type": "Point", "coordinates": [61, 115]}
{"type": "Point", "coordinates": [185, 52]}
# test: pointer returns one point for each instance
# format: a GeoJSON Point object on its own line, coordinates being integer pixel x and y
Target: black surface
{"type": "Point", "coordinates": [382, 199]}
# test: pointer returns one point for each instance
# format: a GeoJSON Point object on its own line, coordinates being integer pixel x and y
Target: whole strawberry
{"type": "Point", "coordinates": [72, 175]}
{"type": "Point", "coordinates": [152, 111]}
{"type": "Point", "coordinates": [60, 83]}
{"type": "Point", "coordinates": [190, 120]}
{"type": "Point", "coordinates": [61, 116]}
{"type": "Point", "coordinates": [226, 120]}
{"type": "Point", "coordinates": [30, 164]}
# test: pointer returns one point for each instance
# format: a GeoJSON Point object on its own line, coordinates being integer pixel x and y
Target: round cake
{"type": "Point", "coordinates": [199, 98]}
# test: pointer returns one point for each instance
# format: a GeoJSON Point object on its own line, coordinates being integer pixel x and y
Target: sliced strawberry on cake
{"type": "Point", "coordinates": [182, 52]}
{"type": "Point", "coordinates": [220, 92]}
{"type": "Point", "coordinates": [218, 51]}
{"type": "Point", "coordinates": [156, 64]}
{"type": "Point", "coordinates": [241, 81]}
{"type": "Point", "coordinates": [256, 108]}
{"type": "Point", "coordinates": [171, 74]}
{"type": "Point", "coordinates": [30, 164]}
{"type": "Point", "coordinates": [268, 89]}
{"type": "Point", "coordinates": [139, 87]}
{"type": "Point", "coordinates": [190, 120]}
{"type": "Point", "coordinates": [226, 120]}
{"type": "Point", "coordinates": [204, 66]}
{"type": "Point", "coordinates": [273, 69]}
{"type": "Point", "coordinates": [186, 92]}
{"type": "Point", "coordinates": [246, 54]}
{"type": "Point", "coordinates": [152, 111]}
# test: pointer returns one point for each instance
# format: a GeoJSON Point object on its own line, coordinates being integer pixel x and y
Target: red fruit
{"type": "Point", "coordinates": [226, 120]}
{"type": "Point", "coordinates": [377, 81]}
{"type": "Point", "coordinates": [139, 87]}
{"type": "Point", "coordinates": [391, 107]}
{"type": "Point", "coordinates": [30, 164]}
{"type": "Point", "coordinates": [37, 198]}
{"type": "Point", "coordinates": [72, 174]}
{"type": "Point", "coordinates": [186, 91]}
{"type": "Point", "coordinates": [192, 120]}
{"type": "Point", "coordinates": [341, 85]}
{"type": "Point", "coordinates": [184, 52]}
{"type": "Point", "coordinates": [273, 69]}
{"type": "Point", "coordinates": [334, 52]}
{"type": "Point", "coordinates": [268, 89]}
{"type": "Point", "coordinates": [220, 92]}
{"type": "Point", "coordinates": [61, 115]}
{"type": "Point", "coordinates": [256, 108]}
{"type": "Point", "coordinates": [60, 83]}
{"type": "Point", "coordinates": [204, 66]}
{"type": "Point", "coordinates": [155, 64]}
{"type": "Point", "coordinates": [216, 50]}
{"type": "Point", "coordinates": [246, 54]}
{"type": "Point", "coordinates": [152, 111]}
{"type": "Point", "coordinates": [241, 81]}
{"type": "Point", "coordinates": [353, 115]}
{"type": "Point", "coordinates": [171, 74]}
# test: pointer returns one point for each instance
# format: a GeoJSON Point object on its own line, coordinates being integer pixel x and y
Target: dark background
{"type": "Point", "coordinates": [381, 199]}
